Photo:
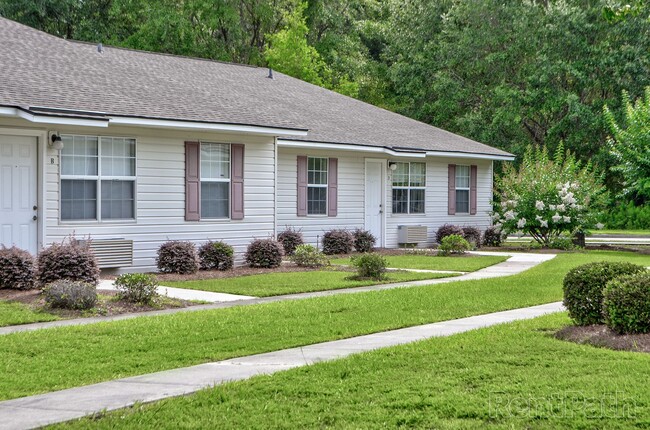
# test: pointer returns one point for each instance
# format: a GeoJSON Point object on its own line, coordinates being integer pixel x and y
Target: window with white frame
{"type": "Point", "coordinates": [462, 189]}
{"type": "Point", "coordinates": [97, 178]}
{"type": "Point", "coordinates": [215, 180]}
{"type": "Point", "coordinates": [409, 184]}
{"type": "Point", "coordinates": [317, 185]}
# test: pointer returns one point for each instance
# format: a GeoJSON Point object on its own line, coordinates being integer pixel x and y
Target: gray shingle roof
{"type": "Point", "coordinates": [38, 69]}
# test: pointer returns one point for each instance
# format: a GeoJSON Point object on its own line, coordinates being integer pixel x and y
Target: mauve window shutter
{"type": "Point", "coordinates": [192, 181]}
{"type": "Point", "coordinates": [472, 189]}
{"type": "Point", "coordinates": [237, 181]}
{"type": "Point", "coordinates": [332, 187]}
{"type": "Point", "coordinates": [451, 197]}
{"type": "Point", "coordinates": [302, 186]}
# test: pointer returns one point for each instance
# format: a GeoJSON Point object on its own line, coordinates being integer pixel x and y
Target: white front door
{"type": "Point", "coordinates": [18, 225]}
{"type": "Point", "coordinates": [374, 200]}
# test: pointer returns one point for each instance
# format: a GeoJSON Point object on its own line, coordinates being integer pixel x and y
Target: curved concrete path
{"type": "Point", "coordinates": [59, 406]}
{"type": "Point", "coordinates": [517, 263]}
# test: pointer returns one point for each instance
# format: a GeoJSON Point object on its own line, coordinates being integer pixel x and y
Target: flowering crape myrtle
{"type": "Point", "coordinates": [547, 197]}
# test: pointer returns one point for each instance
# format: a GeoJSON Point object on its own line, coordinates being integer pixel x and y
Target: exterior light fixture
{"type": "Point", "coordinates": [55, 141]}
{"type": "Point", "coordinates": [392, 165]}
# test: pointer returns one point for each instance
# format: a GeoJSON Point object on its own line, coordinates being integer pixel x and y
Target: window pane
{"type": "Point", "coordinates": [316, 200]}
{"type": "Point", "coordinates": [418, 174]}
{"type": "Point", "coordinates": [462, 176]}
{"type": "Point", "coordinates": [118, 200]}
{"type": "Point", "coordinates": [462, 201]}
{"type": "Point", "coordinates": [400, 201]}
{"type": "Point", "coordinates": [118, 156]}
{"type": "Point", "coordinates": [215, 199]}
{"type": "Point", "coordinates": [78, 199]}
{"type": "Point", "coordinates": [79, 155]}
{"type": "Point", "coordinates": [416, 204]}
{"type": "Point", "coordinates": [215, 161]}
{"type": "Point", "coordinates": [316, 171]}
{"type": "Point", "coordinates": [401, 175]}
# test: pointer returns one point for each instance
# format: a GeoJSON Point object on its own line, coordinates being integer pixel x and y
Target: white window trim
{"type": "Point", "coordinates": [408, 188]}
{"type": "Point", "coordinates": [457, 188]}
{"type": "Point", "coordinates": [325, 185]}
{"type": "Point", "coordinates": [98, 178]}
{"type": "Point", "coordinates": [222, 180]}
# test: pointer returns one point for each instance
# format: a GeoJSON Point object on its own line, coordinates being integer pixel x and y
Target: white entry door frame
{"type": "Point", "coordinates": [375, 198]}
{"type": "Point", "coordinates": [30, 145]}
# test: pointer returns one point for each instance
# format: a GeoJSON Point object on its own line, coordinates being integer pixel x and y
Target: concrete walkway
{"type": "Point", "coordinates": [518, 262]}
{"type": "Point", "coordinates": [184, 294]}
{"type": "Point", "coordinates": [59, 406]}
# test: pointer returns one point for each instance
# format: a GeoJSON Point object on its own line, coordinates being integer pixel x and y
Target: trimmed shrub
{"type": "Point", "coordinates": [364, 241]}
{"type": "Point", "coordinates": [69, 294]}
{"type": "Point", "coordinates": [177, 257]}
{"type": "Point", "coordinates": [337, 241]}
{"type": "Point", "coordinates": [583, 288]}
{"type": "Point", "coordinates": [290, 239]}
{"type": "Point", "coordinates": [17, 269]}
{"type": "Point", "coordinates": [370, 265]}
{"type": "Point", "coordinates": [447, 230]}
{"type": "Point", "coordinates": [137, 288]}
{"type": "Point", "coordinates": [626, 304]}
{"type": "Point", "coordinates": [562, 242]}
{"type": "Point", "coordinates": [265, 253]}
{"type": "Point", "coordinates": [216, 255]}
{"type": "Point", "coordinates": [309, 256]}
{"type": "Point", "coordinates": [492, 237]}
{"type": "Point", "coordinates": [453, 244]}
{"type": "Point", "coordinates": [473, 236]}
{"type": "Point", "coordinates": [71, 260]}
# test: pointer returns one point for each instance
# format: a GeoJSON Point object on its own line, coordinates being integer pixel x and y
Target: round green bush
{"type": "Point", "coordinates": [216, 256]}
{"type": "Point", "coordinates": [266, 253]}
{"type": "Point", "coordinates": [290, 239]}
{"type": "Point", "coordinates": [68, 294]}
{"type": "Point", "coordinates": [454, 244]}
{"type": "Point", "coordinates": [177, 257]}
{"type": "Point", "coordinates": [626, 304]}
{"type": "Point", "coordinates": [71, 259]}
{"type": "Point", "coordinates": [583, 288]}
{"type": "Point", "coordinates": [337, 241]}
{"type": "Point", "coordinates": [137, 288]}
{"type": "Point", "coordinates": [370, 265]}
{"type": "Point", "coordinates": [308, 256]}
{"type": "Point", "coordinates": [17, 269]}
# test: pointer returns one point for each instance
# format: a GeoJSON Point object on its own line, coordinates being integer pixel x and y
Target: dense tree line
{"type": "Point", "coordinates": [509, 74]}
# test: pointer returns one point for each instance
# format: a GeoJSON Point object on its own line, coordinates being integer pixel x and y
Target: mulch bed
{"type": "Point", "coordinates": [106, 304]}
{"type": "Point", "coordinates": [602, 336]}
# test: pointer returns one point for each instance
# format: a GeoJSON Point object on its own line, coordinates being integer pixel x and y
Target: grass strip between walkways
{"type": "Point", "coordinates": [464, 263]}
{"type": "Point", "coordinates": [275, 284]}
{"type": "Point", "coordinates": [53, 359]}
{"type": "Point", "coordinates": [508, 376]}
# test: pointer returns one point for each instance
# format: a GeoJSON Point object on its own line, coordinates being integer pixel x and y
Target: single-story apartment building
{"type": "Point", "coordinates": [134, 148]}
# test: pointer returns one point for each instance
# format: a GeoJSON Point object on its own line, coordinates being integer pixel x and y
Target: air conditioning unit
{"type": "Point", "coordinates": [112, 253]}
{"type": "Point", "coordinates": [411, 235]}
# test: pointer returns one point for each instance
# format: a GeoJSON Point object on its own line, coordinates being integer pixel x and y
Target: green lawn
{"type": "Point", "coordinates": [53, 359]}
{"type": "Point", "coordinates": [622, 232]}
{"type": "Point", "coordinates": [466, 263]}
{"type": "Point", "coordinates": [509, 376]}
{"type": "Point", "coordinates": [13, 313]}
{"type": "Point", "coordinates": [274, 284]}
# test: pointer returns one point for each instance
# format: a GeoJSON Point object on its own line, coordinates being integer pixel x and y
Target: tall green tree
{"type": "Point", "coordinates": [630, 145]}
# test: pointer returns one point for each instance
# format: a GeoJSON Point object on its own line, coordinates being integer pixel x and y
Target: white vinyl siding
{"type": "Point", "coordinates": [160, 210]}
{"type": "Point", "coordinates": [97, 178]}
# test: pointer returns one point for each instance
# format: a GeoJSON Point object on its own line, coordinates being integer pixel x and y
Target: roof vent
{"type": "Point", "coordinates": [100, 48]}
{"type": "Point", "coordinates": [270, 76]}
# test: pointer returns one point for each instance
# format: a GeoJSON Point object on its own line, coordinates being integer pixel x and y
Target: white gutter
{"type": "Point", "coordinates": [472, 156]}
{"type": "Point", "coordinates": [347, 147]}
{"type": "Point", "coordinates": [145, 122]}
